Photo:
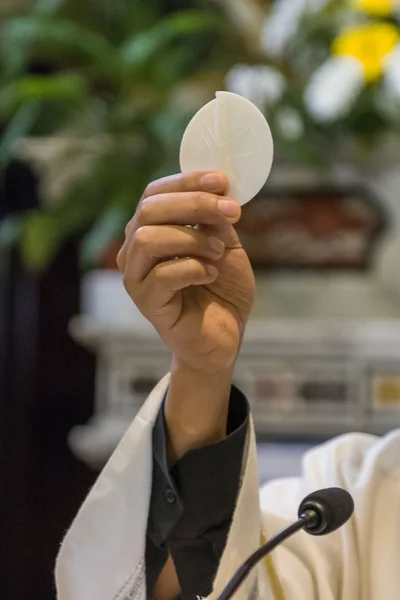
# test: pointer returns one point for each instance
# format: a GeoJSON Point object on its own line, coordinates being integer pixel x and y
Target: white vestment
{"type": "Point", "coordinates": [102, 555]}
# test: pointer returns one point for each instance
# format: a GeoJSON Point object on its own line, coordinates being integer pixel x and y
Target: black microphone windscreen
{"type": "Point", "coordinates": [334, 505]}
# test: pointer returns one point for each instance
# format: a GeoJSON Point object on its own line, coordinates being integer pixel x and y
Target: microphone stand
{"type": "Point", "coordinates": [306, 519]}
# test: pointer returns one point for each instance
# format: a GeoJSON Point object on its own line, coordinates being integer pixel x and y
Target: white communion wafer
{"type": "Point", "coordinates": [230, 134]}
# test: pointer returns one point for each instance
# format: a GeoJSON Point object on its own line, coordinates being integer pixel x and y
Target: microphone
{"type": "Point", "coordinates": [332, 508]}
{"type": "Point", "coordinates": [320, 513]}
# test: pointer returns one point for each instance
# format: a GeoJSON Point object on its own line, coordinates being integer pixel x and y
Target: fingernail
{"type": "Point", "coordinates": [216, 244]}
{"type": "Point", "coordinates": [213, 182]}
{"type": "Point", "coordinates": [211, 270]}
{"type": "Point", "coordinates": [229, 208]}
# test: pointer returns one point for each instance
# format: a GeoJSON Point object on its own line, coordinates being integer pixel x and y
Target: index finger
{"type": "Point", "coordinates": [210, 181]}
{"type": "Point", "coordinates": [196, 181]}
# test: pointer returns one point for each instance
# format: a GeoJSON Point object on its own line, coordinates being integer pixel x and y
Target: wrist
{"type": "Point", "coordinates": [196, 408]}
{"type": "Point", "coordinates": [206, 375]}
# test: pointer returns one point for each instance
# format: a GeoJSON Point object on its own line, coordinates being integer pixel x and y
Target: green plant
{"type": "Point", "coordinates": [115, 82]}
{"type": "Point", "coordinates": [110, 85]}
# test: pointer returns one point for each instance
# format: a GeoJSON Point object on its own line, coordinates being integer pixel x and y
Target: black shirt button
{"type": "Point", "coordinates": [170, 496]}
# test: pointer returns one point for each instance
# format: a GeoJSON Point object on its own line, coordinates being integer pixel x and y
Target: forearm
{"type": "Point", "coordinates": [196, 409]}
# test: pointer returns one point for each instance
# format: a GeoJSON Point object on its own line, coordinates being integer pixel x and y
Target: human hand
{"type": "Point", "coordinates": [194, 284]}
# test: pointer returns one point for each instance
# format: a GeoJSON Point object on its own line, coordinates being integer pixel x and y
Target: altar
{"type": "Point", "coordinates": [305, 379]}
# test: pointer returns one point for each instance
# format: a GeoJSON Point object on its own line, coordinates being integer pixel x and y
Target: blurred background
{"type": "Point", "coordinates": [94, 99]}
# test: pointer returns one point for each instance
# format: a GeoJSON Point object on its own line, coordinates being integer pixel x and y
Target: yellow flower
{"type": "Point", "coordinates": [370, 44]}
{"type": "Point", "coordinates": [378, 8]}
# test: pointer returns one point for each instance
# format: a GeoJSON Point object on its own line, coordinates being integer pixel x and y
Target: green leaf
{"type": "Point", "coordinates": [48, 7]}
{"type": "Point", "coordinates": [41, 88]}
{"type": "Point", "coordinates": [105, 230]}
{"type": "Point", "coordinates": [38, 35]}
{"type": "Point", "coordinates": [19, 127]}
{"type": "Point", "coordinates": [168, 126]}
{"type": "Point", "coordinates": [189, 22]}
{"type": "Point", "coordinates": [40, 240]}
{"type": "Point", "coordinates": [143, 47]}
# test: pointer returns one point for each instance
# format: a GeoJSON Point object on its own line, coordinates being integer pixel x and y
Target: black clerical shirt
{"type": "Point", "coordinates": [192, 504]}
